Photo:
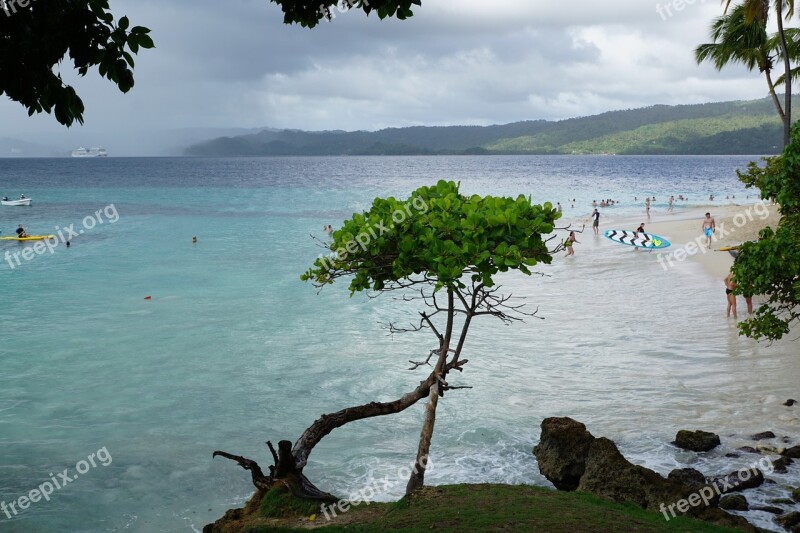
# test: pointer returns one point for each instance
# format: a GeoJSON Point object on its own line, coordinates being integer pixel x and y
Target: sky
{"type": "Point", "coordinates": [234, 64]}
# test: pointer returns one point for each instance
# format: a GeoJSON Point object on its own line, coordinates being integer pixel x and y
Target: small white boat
{"type": "Point", "coordinates": [22, 201]}
{"type": "Point", "coordinates": [90, 152]}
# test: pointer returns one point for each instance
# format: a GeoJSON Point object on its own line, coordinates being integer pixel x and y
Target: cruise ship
{"type": "Point", "coordinates": [89, 152]}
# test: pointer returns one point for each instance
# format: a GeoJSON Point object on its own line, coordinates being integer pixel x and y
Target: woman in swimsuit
{"type": "Point", "coordinates": [569, 242]}
{"type": "Point", "coordinates": [730, 286]}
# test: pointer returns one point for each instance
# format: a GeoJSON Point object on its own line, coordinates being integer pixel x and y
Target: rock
{"type": "Point", "coordinates": [782, 501]}
{"type": "Point", "coordinates": [789, 520]}
{"type": "Point", "coordinates": [746, 478]}
{"type": "Point", "coordinates": [796, 494]}
{"type": "Point", "coordinates": [793, 452]}
{"type": "Point", "coordinates": [747, 449]}
{"type": "Point", "coordinates": [763, 436]}
{"type": "Point", "coordinates": [768, 509]}
{"type": "Point", "coordinates": [688, 476]}
{"type": "Point", "coordinates": [734, 502]}
{"type": "Point", "coordinates": [562, 451]}
{"type": "Point", "coordinates": [779, 465]}
{"type": "Point", "coordinates": [609, 475]}
{"type": "Point", "coordinates": [732, 455]}
{"type": "Point", "coordinates": [696, 441]}
{"type": "Point", "coordinates": [795, 529]}
{"type": "Point", "coordinates": [790, 402]}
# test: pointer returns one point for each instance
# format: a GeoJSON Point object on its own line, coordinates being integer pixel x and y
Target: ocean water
{"type": "Point", "coordinates": [232, 349]}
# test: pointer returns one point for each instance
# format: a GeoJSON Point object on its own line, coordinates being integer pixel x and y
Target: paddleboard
{"type": "Point", "coordinates": [647, 241]}
{"type": "Point", "coordinates": [729, 248]}
{"type": "Point", "coordinates": [28, 238]}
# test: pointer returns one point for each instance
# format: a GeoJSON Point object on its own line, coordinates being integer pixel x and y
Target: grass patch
{"type": "Point", "coordinates": [473, 508]}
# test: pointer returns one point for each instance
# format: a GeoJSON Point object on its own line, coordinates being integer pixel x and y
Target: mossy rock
{"type": "Point", "coordinates": [796, 494]}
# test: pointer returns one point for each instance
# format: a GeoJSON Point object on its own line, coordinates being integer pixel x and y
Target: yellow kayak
{"type": "Point", "coordinates": [28, 238]}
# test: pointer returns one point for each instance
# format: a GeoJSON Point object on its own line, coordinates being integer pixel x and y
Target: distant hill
{"type": "Point", "coordinates": [742, 127]}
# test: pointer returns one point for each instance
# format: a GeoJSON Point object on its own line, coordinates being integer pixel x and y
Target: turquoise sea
{"type": "Point", "coordinates": [232, 349]}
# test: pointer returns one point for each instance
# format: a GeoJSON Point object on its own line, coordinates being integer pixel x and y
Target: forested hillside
{"type": "Point", "coordinates": [745, 127]}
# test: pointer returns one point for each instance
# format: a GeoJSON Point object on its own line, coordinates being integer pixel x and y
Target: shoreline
{"type": "Point", "coordinates": [735, 224]}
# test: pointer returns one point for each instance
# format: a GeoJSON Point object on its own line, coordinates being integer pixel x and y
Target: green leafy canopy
{"type": "Point", "coordinates": [771, 266]}
{"type": "Point", "coordinates": [437, 235]}
{"type": "Point", "coordinates": [36, 38]}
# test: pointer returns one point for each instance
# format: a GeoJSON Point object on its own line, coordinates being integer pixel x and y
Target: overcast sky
{"type": "Point", "coordinates": [235, 64]}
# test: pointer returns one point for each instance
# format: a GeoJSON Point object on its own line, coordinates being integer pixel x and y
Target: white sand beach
{"type": "Point", "coordinates": [735, 224]}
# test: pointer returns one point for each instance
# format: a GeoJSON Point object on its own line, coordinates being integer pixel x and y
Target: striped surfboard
{"type": "Point", "coordinates": [639, 240]}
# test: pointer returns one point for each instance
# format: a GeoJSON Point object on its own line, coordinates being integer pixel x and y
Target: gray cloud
{"type": "Point", "coordinates": [235, 64]}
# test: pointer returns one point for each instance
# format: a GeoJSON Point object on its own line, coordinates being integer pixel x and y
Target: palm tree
{"type": "Point", "coordinates": [758, 10]}
{"type": "Point", "coordinates": [738, 39]}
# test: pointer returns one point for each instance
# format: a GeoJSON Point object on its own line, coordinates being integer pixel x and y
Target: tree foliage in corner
{"type": "Point", "coordinates": [309, 13]}
{"type": "Point", "coordinates": [771, 266]}
{"type": "Point", "coordinates": [34, 39]}
{"type": "Point", "coordinates": [738, 35]}
{"type": "Point", "coordinates": [443, 250]}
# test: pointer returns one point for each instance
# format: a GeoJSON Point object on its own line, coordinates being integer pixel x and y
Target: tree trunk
{"type": "Point", "coordinates": [775, 99]}
{"type": "Point", "coordinates": [327, 423]}
{"type": "Point", "coordinates": [787, 65]}
{"type": "Point", "coordinates": [417, 479]}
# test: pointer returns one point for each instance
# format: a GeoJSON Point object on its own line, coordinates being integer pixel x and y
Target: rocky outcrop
{"type": "Point", "coordinates": [562, 452]}
{"type": "Point", "coordinates": [610, 475]}
{"type": "Point", "coordinates": [601, 470]}
{"type": "Point", "coordinates": [696, 441]}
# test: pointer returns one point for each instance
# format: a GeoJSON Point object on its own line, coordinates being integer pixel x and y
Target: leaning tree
{"type": "Point", "coordinates": [438, 248]}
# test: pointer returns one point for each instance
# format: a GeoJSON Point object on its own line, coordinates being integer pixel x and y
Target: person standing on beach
{"type": "Point", "coordinates": [671, 201]}
{"type": "Point", "coordinates": [647, 207]}
{"type": "Point", "coordinates": [709, 227]}
{"type": "Point", "coordinates": [596, 222]}
{"type": "Point", "coordinates": [730, 286]}
{"type": "Point", "coordinates": [558, 207]}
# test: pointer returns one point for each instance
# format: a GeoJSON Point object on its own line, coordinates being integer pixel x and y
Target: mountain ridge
{"type": "Point", "coordinates": [724, 128]}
